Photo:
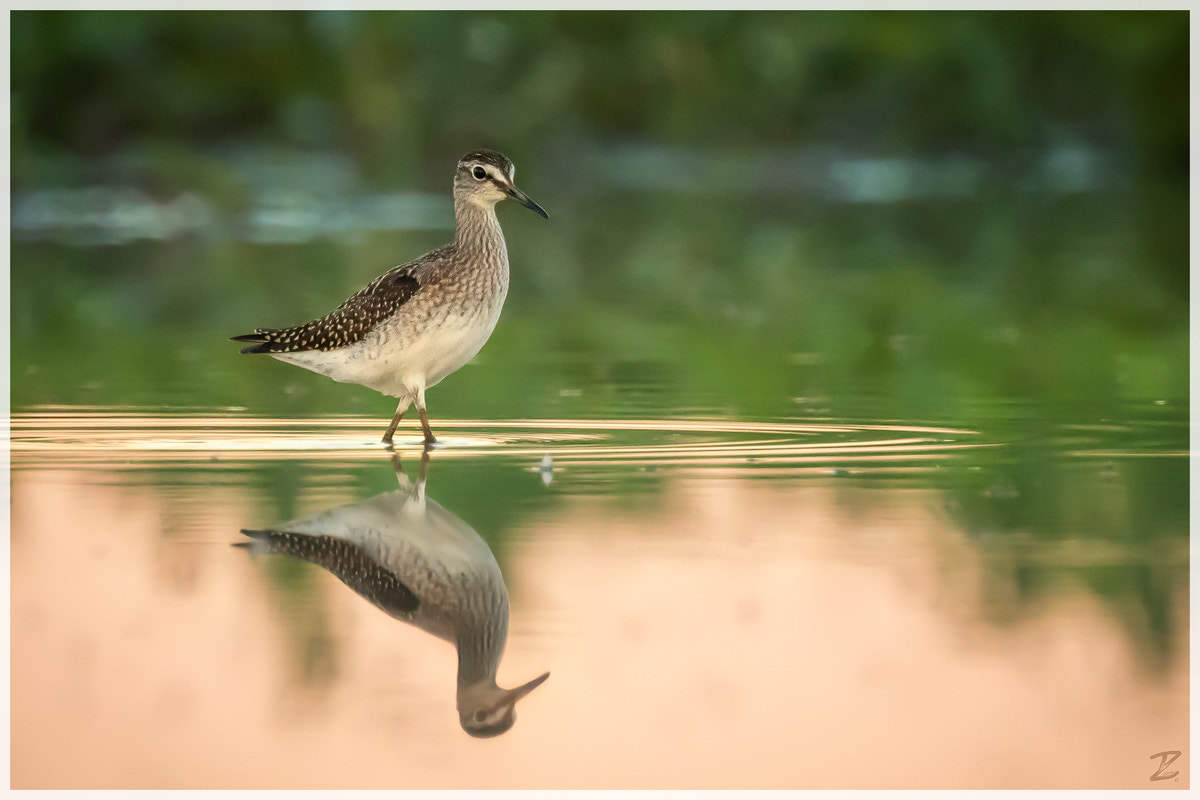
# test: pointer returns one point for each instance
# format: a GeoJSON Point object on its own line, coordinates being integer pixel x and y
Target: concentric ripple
{"type": "Point", "coordinates": [99, 437]}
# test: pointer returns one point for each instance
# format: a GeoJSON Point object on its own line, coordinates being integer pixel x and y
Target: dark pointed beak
{"type": "Point", "coordinates": [525, 200]}
{"type": "Point", "coordinates": [513, 695]}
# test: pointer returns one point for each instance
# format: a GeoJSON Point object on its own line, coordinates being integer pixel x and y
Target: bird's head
{"type": "Point", "coordinates": [486, 710]}
{"type": "Point", "coordinates": [485, 177]}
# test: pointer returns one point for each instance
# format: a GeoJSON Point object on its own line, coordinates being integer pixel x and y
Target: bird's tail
{"type": "Point", "coordinates": [261, 341]}
{"type": "Point", "coordinates": [306, 547]}
{"type": "Point", "coordinates": [263, 541]}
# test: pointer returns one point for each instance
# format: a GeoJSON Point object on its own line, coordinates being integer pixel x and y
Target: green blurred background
{"type": "Point", "coordinates": [750, 213]}
{"type": "Point", "coordinates": [976, 219]}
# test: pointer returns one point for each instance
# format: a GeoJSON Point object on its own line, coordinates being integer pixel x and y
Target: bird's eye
{"type": "Point", "coordinates": [479, 172]}
{"type": "Point", "coordinates": [480, 715]}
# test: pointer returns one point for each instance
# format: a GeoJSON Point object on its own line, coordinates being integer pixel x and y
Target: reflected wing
{"type": "Point", "coordinates": [348, 562]}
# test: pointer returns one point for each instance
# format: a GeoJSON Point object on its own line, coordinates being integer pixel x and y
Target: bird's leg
{"type": "Point", "coordinates": [417, 489]}
{"type": "Point", "coordinates": [420, 402]}
{"type": "Point", "coordinates": [400, 409]}
{"type": "Point", "coordinates": [401, 479]}
{"type": "Point", "coordinates": [429, 440]}
{"type": "Point", "coordinates": [424, 466]}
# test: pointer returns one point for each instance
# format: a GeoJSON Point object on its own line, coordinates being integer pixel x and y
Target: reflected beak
{"type": "Point", "coordinates": [526, 201]}
{"type": "Point", "coordinates": [513, 695]}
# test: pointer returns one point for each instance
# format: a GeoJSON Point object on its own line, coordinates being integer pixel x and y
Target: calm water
{"type": "Point", "coordinates": [799, 602]}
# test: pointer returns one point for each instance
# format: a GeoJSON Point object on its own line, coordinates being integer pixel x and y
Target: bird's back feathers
{"type": "Point", "coordinates": [352, 320]}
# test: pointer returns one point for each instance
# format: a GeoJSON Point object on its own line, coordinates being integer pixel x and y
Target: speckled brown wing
{"type": "Point", "coordinates": [349, 322]}
{"type": "Point", "coordinates": [349, 562]}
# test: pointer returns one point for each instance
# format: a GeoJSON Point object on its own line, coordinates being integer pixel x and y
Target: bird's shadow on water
{"type": "Point", "coordinates": [423, 565]}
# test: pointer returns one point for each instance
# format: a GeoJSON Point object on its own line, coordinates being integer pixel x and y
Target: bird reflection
{"type": "Point", "coordinates": [423, 565]}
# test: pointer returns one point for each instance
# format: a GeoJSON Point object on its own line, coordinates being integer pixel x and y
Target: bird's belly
{"type": "Point", "coordinates": [399, 356]}
{"type": "Point", "coordinates": [443, 348]}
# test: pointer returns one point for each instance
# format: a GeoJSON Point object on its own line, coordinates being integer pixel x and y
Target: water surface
{"type": "Point", "coordinates": [801, 602]}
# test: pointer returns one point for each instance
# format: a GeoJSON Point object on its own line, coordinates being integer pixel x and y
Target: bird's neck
{"type": "Point", "coordinates": [477, 228]}
{"type": "Point", "coordinates": [480, 643]}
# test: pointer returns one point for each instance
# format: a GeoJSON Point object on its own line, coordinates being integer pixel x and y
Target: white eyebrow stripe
{"type": "Point", "coordinates": [494, 172]}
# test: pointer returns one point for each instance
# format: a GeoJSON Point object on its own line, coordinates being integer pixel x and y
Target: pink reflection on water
{"type": "Point", "coordinates": [745, 636]}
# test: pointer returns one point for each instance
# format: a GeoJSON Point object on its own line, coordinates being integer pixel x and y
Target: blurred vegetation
{"type": "Point", "coordinates": [394, 88]}
{"type": "Point", "coordinates": [736, 280]}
